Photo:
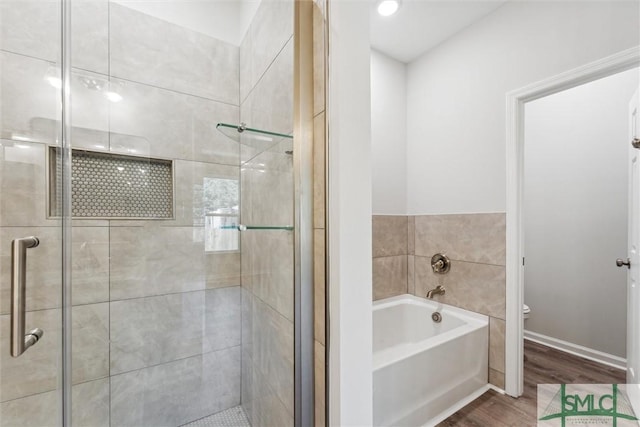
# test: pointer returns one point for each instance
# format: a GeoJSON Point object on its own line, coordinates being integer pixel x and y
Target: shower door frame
{"type": "Point", "coordinates": [65, 165]}
{"type": "Point", "coordinates": [303, 214]}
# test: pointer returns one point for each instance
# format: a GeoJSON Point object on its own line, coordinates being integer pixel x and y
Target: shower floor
{"type": "Point", "coordinates": [232, 417]}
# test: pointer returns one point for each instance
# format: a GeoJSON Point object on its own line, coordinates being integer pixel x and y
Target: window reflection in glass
{"type": "Point", "coordinates": [220, 201]}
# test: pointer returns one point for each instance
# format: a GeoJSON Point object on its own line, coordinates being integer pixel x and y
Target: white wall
{"type": "Point", "coordinates": [575, 213]}
{"type": "Point", "coordinates": [388, 135]}
{"type": "Point", "coordinates": [350, 292]}
{"type": "Point", "coordinates": [456, 93]}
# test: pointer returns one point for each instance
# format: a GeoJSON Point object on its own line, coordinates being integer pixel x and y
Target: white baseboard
{"type": "Point", "coordinates": [496, 389]}
{"type": "Point", "coordinates": [577, 350]}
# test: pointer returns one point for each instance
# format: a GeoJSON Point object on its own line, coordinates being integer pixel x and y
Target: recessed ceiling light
{"type": "Point", "coordinates": [388, 7]}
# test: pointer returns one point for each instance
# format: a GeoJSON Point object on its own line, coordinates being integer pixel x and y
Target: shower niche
{"type": "Point", "coordinates": [113, 186]}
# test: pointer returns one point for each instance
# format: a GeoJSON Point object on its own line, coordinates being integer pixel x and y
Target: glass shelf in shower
{"type": "Point", "coordinates": [256, 141]}
{"type": "Point", "coordinates": [257, 227]}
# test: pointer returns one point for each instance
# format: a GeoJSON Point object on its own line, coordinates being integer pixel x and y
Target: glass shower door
{"type": "Point", "coordinates": [178, 316]}
{"type": "Point", "coordinates": [30, 269]}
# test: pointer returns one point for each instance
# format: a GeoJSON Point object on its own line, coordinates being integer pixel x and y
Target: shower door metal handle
{"type": "Point", "coordinates": [19, 341]}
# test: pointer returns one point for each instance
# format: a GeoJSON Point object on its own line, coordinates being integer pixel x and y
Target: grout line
{"type": "Point", "coordinates": [109, 76]}
{"type": "Point", "coordinates": [127, 299]}
{"type": "Point", "coordinates": [54, 389]}
{"type": "Point", "coordinates": [49, 61]}
{"type": "Point", "coordinates": [174, 293]}
{"type": "Point", "coordinates": [242, 101]}
{"type": "Point", "coordinates": [461, 260]}
{"type": "Point", "coordinates": [175, 91]}
{"type": "Point", "coordinates": [177, 360]}
{"type": "Point", "coordinates": [238, 164]}
{"type": "Point", "coordinates": [126, 372]}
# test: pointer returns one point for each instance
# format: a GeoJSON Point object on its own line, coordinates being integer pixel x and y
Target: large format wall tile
{"type": "Point", "coordinates": [466, 237]}
{"type": "Point", "coordinates": [247, 387]}
{"type": "Point", "coordinates": [319, 57]}
{"type": "Point", "coordinates": [270, 104]}
{"type": "Point", "coordinates": [389, 235]}
{"type": "Point", "coordinates": [220, 380]}
{"type": "Point", "coordinates": [319, 166]}
{"type": "Point", "coordinates": [319, 284]}
{"type": "Point", "coordinates": [411, 274]}
{"type": "Point", "coordinates": [154, 330]}
{"type": "Point", "coordinates": [89, 351]}
{"type": "Point", "coordinates": [33, 28]}
{"type": "Point", "coordinates": [411, 235]}
{"type": "Point", "coordinates": [90, 265]}
{"type": "Point", "coordinates": [496, 378]}
{"type": "Point", "coordinates": [149, 50]}
{"type": "Point", "coordinates": [267, 194]}
{"type": "Point", "coordinates": [90, 35]}
{"type": "Point", "coordinates": [31, 97]}
{"type": "Point", "coordinates": [267, 265]}
{"type": "Point", "coordinates": [475, 287]}
{"type": "Point", "coordinates": [389, 276]}
{"type": "Point", "coordinates": [260, 402]}
{"type": "Point", "coordinates": [222, 319]}
{"type": "Point", "coordinates": [247, 352]}
{"type": "Point", "coordinates": [155, 122]}
{"type": "Point", "coordinates": [18, 379]}
{"type": "Point", "coordinates": [90, 407]}
{"type": "Point", "coordinates": [320, 386]}
{"type": "Point", "coordinates": [23, 185]}
{"type": "Point", "coordinates": [273, 351]}
{"type": "Point", "coordinates": [178, 392]}
{"type": "Point", "coordinates": [271, 28]}
{"type": "Point", "coordinates": [268, 409]}
{"type": "Point", "coordinates": [35, 113]}
{"type": "Point", "coordinates": [172, 327]}
{"type": "Point", "coordinates": [90, 342]}
{"type": "Point", "coordinates": [90, 255]}
{"type": "Point", "coordinates": [222, 269]}
{"type": "Point", "coordinates": [496, 344]}
{"type": "Point", "coordinates": [154, 260]}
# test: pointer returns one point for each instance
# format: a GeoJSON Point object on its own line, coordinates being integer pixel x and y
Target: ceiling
{"type": "Point", "coordinates": [420, 25]}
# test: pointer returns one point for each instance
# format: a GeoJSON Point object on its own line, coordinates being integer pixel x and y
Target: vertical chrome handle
{"type": "Point", "coordinates": [19, 341]}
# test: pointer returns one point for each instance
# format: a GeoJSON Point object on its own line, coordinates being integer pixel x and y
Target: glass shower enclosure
{"type": "Point", "coordinates": [148, 210]}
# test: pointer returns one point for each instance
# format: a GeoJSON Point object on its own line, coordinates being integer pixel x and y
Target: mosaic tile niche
{"type": "Point", "coordinates": [106, 185]}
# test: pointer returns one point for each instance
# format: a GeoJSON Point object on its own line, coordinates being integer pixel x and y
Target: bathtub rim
{"type": "Point", "coordinates": [472, 322]}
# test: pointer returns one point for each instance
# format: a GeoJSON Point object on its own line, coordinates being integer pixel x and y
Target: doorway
{"type": "Point", "coordinates": [576, 218]}
{"type": "Point", "coordinates": [516, 133]}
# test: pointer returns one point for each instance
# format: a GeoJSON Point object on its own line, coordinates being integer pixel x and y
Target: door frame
{"type": "Point", "coordinates": [619, 62]}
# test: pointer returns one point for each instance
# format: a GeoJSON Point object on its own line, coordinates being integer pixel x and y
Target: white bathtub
{"type": "Point", "coordinates": [423, 369]}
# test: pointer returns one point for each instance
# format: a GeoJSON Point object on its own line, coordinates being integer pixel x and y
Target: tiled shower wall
{"type": "Point", "coordinates": [156, 318]}
{"type": "Point", "coordinates": [475, 243]}
{"type": "Point", "coordinates": [266, 102]}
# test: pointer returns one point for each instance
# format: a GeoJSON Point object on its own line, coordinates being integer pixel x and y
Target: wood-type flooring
{"type": "Point", "coordinates": [543, 365]}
